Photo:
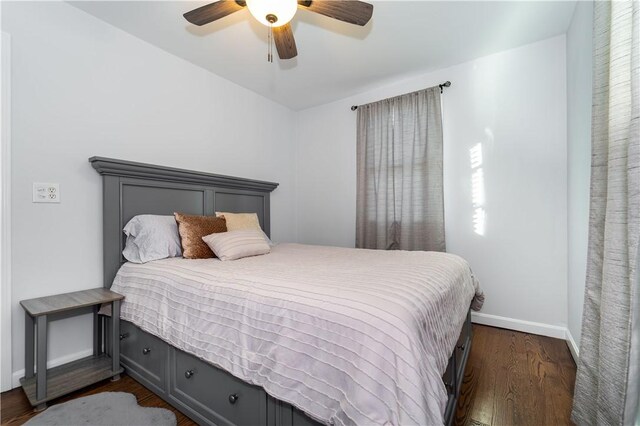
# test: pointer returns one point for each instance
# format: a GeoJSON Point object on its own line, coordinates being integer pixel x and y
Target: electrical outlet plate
{"type": "Point", "coordinates": [46, 192]}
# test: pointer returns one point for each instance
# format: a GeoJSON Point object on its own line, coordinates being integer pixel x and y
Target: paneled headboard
{"type": "Point", "coordinates": [130, 189]}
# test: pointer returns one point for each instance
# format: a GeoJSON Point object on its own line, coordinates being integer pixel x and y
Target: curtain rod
{"type": "Point", "coordinates": [441, 86]}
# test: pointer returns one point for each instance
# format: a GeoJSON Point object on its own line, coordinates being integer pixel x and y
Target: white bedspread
{"type": "Point", "coordinates": [348, 336]}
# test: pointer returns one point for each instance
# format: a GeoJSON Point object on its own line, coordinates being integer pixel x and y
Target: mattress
{"type": "Point", "coordinates": [348, 336]}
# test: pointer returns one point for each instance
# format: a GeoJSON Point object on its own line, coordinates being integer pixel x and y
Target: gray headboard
{"type": "Point", "coordinates": [130, 189]}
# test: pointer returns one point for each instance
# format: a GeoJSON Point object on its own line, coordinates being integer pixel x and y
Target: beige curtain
{"type": "Point", "coordinates": [608, 378]}
{"type": "Point", "coordinates": [399, 161]}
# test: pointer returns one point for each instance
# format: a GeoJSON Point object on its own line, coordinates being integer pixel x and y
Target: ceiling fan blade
{"type": "Point", "coordinates": [351, 11]}
{"type": "Point", "coordinates": [285, 43]}
{"type": "Point", "coordinates": [211, 12]}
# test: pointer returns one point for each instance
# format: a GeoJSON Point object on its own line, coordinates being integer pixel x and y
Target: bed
{"type": "Point", "coordinates": [303, 335]}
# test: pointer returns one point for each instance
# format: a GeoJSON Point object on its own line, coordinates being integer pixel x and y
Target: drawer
{"type": "Point", "coordinates": [448, 378]}
{"type": "Point", "coordinates": [461, 344]}
{"type": "Point", "coordinates": [217, 395]}
{"type": "Point", "coordinates": [299, 418]}
{"type": "Point", "coordinates": [282, 414]}
{"type": "Point", "coordinates": [462, 347]}
{"type": "Point", "coordinates": [144, 353]}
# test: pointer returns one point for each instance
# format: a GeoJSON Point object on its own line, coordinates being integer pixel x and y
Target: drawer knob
{"type": "Point", "coordinates": [233, 398]}
{"type": "Point", "coordinates": [124, 336]}
{"type": "Point", "coordinates": [188, 374]}
{"type": "Point", "coordinates": [146, 351]}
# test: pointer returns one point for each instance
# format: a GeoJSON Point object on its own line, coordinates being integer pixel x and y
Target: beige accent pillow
{"type": "Point", "coordinates": [238, 221]}
{"type": "Point", "coordinates": [234, 245]}
{"type": "Point", "coordinates": [192, 228]}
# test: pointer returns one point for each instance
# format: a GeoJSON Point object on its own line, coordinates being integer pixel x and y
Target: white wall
{"type": "Point", "coordinates": [6, 306]}
{"type": "Point", "coordinates": [579, 88]}
{"type": "Point", "coordinates": [82, 87]}
{"type": "Point", "coordinates": [514, 104]}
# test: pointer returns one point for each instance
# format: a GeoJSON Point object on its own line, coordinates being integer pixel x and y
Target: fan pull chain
{"type": "Point", "coordinates": [270, 43]}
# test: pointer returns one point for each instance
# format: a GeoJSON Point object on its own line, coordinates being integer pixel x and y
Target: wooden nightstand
{"type": "Point", "coordinates": [45, 384]}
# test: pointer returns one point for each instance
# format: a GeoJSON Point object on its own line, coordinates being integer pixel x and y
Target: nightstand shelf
{"type": "Point", "coordinates": [70, 377]}
{"type": "Point", "coordinates": [44, 385]}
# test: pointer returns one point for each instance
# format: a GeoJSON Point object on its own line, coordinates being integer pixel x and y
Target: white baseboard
{"type": "Point", "coordinates": [573, 346]}
{"type": "Point", "coordinates": [17, 375]}
{"type": "Point", "coordinates": [520, 325]}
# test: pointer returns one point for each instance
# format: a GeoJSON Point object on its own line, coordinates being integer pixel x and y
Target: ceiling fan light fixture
{"type": "Point", "coordinates": [265, 11]}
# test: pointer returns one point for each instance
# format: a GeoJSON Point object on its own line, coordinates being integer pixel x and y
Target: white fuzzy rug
{"type": "Point", "coordinates": [104, 409]}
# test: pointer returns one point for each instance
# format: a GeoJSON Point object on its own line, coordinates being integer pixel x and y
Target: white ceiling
{"type": "Point", "coordinates": [335, 59]}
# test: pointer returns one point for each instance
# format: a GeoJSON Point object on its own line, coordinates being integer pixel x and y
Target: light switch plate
{"type": "Point", "coordinates": [46, 192]}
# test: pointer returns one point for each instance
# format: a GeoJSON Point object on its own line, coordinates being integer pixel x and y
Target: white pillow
{"type": "Point", "coordinates": [232, 245]}
{"type": "Point", "coordinates": [151, 237]}
{"type": "Point", "coordinates": [267, 239]}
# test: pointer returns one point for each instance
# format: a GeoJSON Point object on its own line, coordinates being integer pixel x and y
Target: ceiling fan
{"type": "Point", "coordinates": [277, 14]}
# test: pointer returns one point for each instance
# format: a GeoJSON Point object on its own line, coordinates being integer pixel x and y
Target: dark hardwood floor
{"type": "Point", "coordinates": [516, 378]}
{"type": "Point", "coordinates": [511, 378]}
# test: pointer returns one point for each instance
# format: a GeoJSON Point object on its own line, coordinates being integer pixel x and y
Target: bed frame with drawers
{"type": "Point", "coordinates": [205, 393]}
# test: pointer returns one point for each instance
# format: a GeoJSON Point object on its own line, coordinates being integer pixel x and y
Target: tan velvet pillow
{"type": "Point", "coordinates": [192, 228]}
{"type": "Point", "coordinates": [239, 221]}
